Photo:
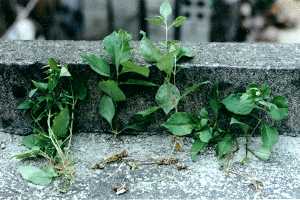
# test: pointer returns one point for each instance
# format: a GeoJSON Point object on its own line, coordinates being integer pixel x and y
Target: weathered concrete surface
{"type": "Point", "coordinates": [203, 179]}
{"type": "Point", "coordinates": [234, 65]}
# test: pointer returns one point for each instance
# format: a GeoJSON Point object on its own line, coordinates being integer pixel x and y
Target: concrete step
{"type": "Point", "coordinates": [233, 65]}
{"type": "Point", "coordinates": [203, 179]}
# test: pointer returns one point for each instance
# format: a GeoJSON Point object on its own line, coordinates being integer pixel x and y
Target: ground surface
{"type": "Point", "coordinates": [203, 179]}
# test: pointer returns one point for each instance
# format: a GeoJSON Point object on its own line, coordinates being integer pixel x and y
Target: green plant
{"type": "Point", "coordinates": [165, 58]}
{"type": "Point", "coordinates": [51, 106]}
{"type": "Point", "coordinates": [117, 46]}
{"type": "Point", "coordinates": [216, 129]}
{"type": "Point", "coordinates": [245, 111]}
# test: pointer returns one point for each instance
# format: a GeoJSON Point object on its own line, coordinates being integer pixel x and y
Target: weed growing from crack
{"type": "Point", "coordinates": [51, 106]}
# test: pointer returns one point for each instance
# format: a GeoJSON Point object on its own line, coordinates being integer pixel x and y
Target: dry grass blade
{"type": "Point", "coordinates": [167, 161]}
{"type": "Point", "coordinates": [114, 158]}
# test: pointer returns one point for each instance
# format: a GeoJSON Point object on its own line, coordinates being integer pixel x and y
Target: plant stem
{"type": "Point", "coordinates": [71, 124]}
{"type": "Point", "coordinates": [253, 153]}
{"type": "Point", "coordinates": [54, 140]}
{"type": "Point", "coordinates": [166, 27]}
{"type": "Point", "coordinates": [175, 70]}
{"type": "Point", "coordinates": [117, 71]}
{"type": "Point", "coordinates": [74, 102]}
{"type": "Point", "coordinates": [248, 138]}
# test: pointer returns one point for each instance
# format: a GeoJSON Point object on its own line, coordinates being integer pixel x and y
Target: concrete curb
{"type": "Point", "coordinates": [234, 65]}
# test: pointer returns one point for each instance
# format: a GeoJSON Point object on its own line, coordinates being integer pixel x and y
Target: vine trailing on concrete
{"type": "Point", "coordinates": [220, 124]}
{"type": "Point", "coordinates": [51, 106]}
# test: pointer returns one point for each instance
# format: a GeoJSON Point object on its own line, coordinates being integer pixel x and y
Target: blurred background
{"type": "Point", "coordinates": [208, 20]}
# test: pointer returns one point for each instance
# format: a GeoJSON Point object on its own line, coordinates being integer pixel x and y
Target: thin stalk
{"type": "Point", "coordinates": [248, 138]}
{"type": "Point", "coordinates": [74, 102]}
{"type": "Point", "coordinates": [54, 140]}
{"type": "Point", "coordinates": [166, 30]}
{"type": "Point", "coordinates": [117, 71]}
{"type": "Point", "coordinates": [175, 69]}
{"type": "Point", "coordinates": [174, 77]}
{"type": "Point", "coordinates": [71, 124]}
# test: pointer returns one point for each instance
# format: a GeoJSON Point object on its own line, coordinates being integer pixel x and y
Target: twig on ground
{"type": "Point", "coordinates": [134, 163]}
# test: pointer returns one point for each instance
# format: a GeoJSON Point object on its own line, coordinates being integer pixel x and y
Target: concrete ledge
{"type": "Point", "coordinates": [234, 65]}
{"type": "Point", "coordinates": [236, 55]}
{"type": "Point", "coordinates": [202, 180]}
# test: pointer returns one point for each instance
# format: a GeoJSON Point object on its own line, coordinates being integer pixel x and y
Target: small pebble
{"type": "Point", "coordinates": [2, 146]}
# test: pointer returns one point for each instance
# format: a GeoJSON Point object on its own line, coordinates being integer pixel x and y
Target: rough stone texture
{"type": "Point", "coordinates": [234, 65]}
{"type": "Point", "coordinates": [203, 179]}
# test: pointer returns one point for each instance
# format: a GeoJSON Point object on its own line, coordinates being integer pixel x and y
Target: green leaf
{"type": "Point", "coordinates": [280, 101]}
{"type": "Point", "coordinates": [193, 88]}
{"type": "Point", "coordinates": [32, 92]}
{"type": "Point", "coordinates": [180, 124]}
{"type": "Point", "coordinates": [205, 135]}
{"type": "Point", "coordinates": [61, 123]}
{"type": "Point", "coordinates": [80, 89]}
{"type": "Point", "coordinates": [25, 105]}
{"type": "Point", "coordinates": [225, 146]}
{"type": "Point", "coordinates": [97, 64]}
{"type": "Point", "coordinates": [215, 105]}
{"type": "Point", "coordinates": [107, 109]}
{"type": "Point", "coordinates": [138, 82]}
{"type": "Point", "coordinates": [203, 122]}
{"type": "Point", "coordinates": [112, 89]}
{"type": "Point", "coordinates": [130, 67]}
{"type": "Point", "coordinates": [238, 105]}
{"type": "Point", "coordinates": [166, 63]}
{"type": "Point", "coordinates": [117, 45]}
{"type": "Point", "coordinates": [35, 140]}
{"type": "Point", "coordinates": [34, 152]}
{"type": "Point", "coordinates": [52, 63]}
{"type": "Point", "coordinates": [148, 50]}
{"type": "Point", "coordinates": [53, 75]}
{"type": "Point", "coordinates": [278, 110]}
{"type": "Point", "coordinates": [269, 136]}
{"type": "Point", "coordinates": [245, 127]}
{"type": "Point", "coordinates": [263, 153]}
{"type": "Point", "coordinates": [265, 91]}
{"type": "Point", "coordinates": [167, 97]}
{"type": "Point", "coordinates": [184, 52]}
{"type": "Point", "coordinates": [50, 171]}
{"type": "Point", "coordinates": [203, 113]}
{"type": "Point", "coordinates": [64, 72]}
{"type": "Point", "coordinates": [30, 141]}
{"type": "Point", "coordinates": [41, 86]}
{"type": "Point", "coordinates": [179, 21]}
{"type": "Point", "coordinates": [253, 90]}
{"type": "Point", "coordinates": [197, 147]}
{"type": "Point", "coordinates": [148, 111]}
{"type": "Point", "coordinates": [165, 9]}
{"type": "Point", "coordinates": [36, 175]}
{"type": "Point", "coordinates": [156, 20]}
